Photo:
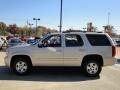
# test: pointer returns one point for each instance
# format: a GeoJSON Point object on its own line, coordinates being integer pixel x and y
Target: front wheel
{"type": "Point", "coordinates": [1, 48]}
{"type": "Point", "coordinates": [21, 66]}
{"type": "Point", "coordinates": [92, 68]}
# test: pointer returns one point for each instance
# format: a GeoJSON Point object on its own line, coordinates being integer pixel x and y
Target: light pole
{"type": "Point", "coordinates": [36, 19]}
{"type": "Point", "coordinates": [61, 7]}
{"type": "Point", "coordinates": [109, 17]}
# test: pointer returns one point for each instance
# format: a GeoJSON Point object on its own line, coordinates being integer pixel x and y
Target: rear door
{"type": "Point", "coordinates": [100, 44]}
{"type": "Point", "coordinates": [74, 50]}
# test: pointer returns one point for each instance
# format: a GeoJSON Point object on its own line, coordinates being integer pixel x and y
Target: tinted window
{"type": "Point", "coordinates": [15, 41]}
{"type": "Point", "coordinates": [73, 40]}
{"type": "Point", "coordinates": [30, 41]}
{"type": "Point", "coordinates": [118, 41]}
{"type": "Point", "coordinates": [98, 40]}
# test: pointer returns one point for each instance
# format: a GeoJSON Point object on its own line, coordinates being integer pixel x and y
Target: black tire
{"type": "Point", "coordinates": [21, 66]}
{"type": "Point", "coordinates": [91, 68]}
{"type": "Point", "coordinates": [1, 48]}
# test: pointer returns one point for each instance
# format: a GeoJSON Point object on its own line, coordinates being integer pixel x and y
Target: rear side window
{"type": "Point", "coordinates": [98, 40]}
{"type": "Point", "coordinates": [73, 40]}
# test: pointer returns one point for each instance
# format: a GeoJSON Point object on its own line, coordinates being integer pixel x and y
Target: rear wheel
{"type": "Point", "coordinates": [91, 68]}
{"type": "Point", "coordinates": [21, 66]}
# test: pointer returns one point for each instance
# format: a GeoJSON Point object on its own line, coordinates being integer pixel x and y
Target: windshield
{"type": "Point", "coordinates": [15, 41]}
{"type": "Point", "coordinates": [36, 41]}
{"type": "Point", "coordinates": [30, 41]}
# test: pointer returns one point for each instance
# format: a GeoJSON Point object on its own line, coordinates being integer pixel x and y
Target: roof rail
{"type": "Point", "coordinates": [73, 31]}
{"type": "Point", "coordinates": [80, 31]}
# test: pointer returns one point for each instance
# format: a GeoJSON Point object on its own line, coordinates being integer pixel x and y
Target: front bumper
{"type": "Point", "coordinates": [7, 61]}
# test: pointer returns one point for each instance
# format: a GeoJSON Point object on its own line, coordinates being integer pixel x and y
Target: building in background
{"type": "Point", "coordinates": [110, 30]}
{"type": "Point", "coordinates": [91, 28]}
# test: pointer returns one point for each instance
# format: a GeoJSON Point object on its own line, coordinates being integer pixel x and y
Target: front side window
{"type": "Point", "coordinates": [73, 40]}
{"type": "Point", "coordinates": [52, 41]}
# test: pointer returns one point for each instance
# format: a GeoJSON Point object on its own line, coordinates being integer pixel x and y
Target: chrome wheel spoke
{"type": "Point", "coordinates": [21, 67]}
{"type": "Point", "coordinates": [92, 68]}
{"type": "Point", "coordinates": [25, 67]}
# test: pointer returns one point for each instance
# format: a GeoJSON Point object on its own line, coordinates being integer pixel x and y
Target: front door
{"type": "Point", "coordinates": [51, 52]}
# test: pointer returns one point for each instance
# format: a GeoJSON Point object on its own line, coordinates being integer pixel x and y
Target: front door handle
{"type": "Point", "coordinates": [59, 51]}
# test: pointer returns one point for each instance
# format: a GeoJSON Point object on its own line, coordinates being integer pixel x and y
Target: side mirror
{"type": "Point", "coordinates": [40, 45]}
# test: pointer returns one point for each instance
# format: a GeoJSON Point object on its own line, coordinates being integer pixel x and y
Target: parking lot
{"type": "Point", "coordinates": [59, 78]}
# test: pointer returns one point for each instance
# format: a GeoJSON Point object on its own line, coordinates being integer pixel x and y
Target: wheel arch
{"type": "Point", "coordinates": [95, 57]}
{"type": "Point", "coordinates": [27, 58]}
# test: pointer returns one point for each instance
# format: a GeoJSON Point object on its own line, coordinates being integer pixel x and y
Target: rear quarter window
{"type": "Point", "coordinates": [98, 40]}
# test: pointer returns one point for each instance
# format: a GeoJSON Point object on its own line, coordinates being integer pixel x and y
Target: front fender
{"type": "Point", "coordinates": [21, 53]}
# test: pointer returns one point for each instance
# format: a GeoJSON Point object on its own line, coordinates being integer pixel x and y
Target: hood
{"type": "Point", "coordinates": [21, 46]}
{"type": "Point", "coordinates": [18, 48]}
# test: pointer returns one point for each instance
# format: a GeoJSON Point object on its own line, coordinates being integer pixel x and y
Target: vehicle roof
{"type": "Point", "coordinates": [97, 33]}
{"type": "Point", "coordinates": [11, 39]}
{"type": "Point", "coordinates": [14, 39]}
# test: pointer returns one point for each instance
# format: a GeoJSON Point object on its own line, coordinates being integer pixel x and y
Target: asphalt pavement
{"type": "Point", "coordinates": [59, 79]}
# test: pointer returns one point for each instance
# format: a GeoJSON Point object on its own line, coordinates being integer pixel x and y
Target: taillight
{"type": "Point", "coordinates": [113, 51]}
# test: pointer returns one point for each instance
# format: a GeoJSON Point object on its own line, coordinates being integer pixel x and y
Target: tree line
{"type": "Point", "coordinates": [13, 29]}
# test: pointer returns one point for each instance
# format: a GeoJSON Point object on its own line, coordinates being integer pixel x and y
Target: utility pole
{"type": "Point", "coordinates": [109, 18]}
{"type": "Point", "coordinates": [61, 7]}
{"type": "Point", "coordinates": [36, 19]}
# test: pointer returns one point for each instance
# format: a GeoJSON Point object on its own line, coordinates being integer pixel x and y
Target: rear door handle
{"type": "Point", "coordinates": [81, 49]}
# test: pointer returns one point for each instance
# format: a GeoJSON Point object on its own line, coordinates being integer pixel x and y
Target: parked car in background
{"type": "Point", "coordinates": [30, 41]}
{"type": "Point", "coordinates": [9, 37]}
{"type": "Point", "coordinates": [1, 43]}
{"type": "Point", "coordinates": [23, 38]}
{"type": "Point", "coordinates": [118, 43]}
{"type": "Point", "coordinates": [14, 41]}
